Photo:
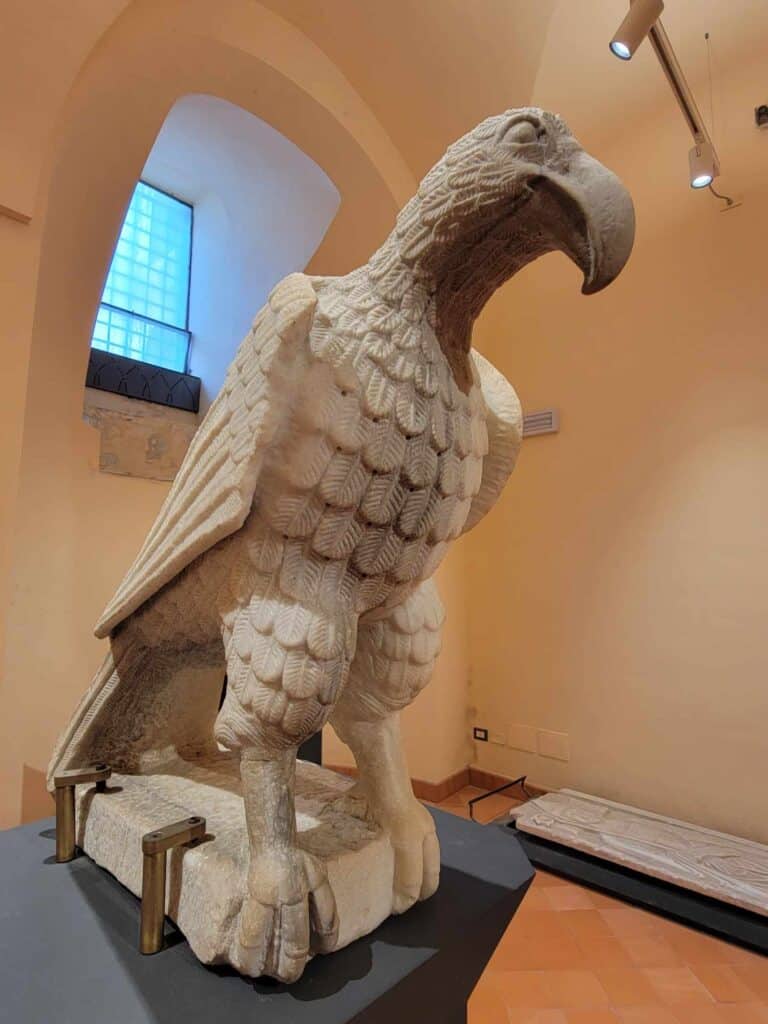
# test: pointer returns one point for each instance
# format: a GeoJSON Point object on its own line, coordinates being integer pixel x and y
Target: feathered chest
{"type": "Point", "coordinates": [383, 453]}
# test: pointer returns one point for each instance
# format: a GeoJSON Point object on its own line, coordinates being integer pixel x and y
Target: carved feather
{"type": "Point", "coordinates": [384, 449]}
{"type": "Point", "coordinates": [345, 480]}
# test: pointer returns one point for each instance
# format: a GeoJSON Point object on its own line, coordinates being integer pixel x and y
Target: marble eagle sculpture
{"type": "Point", "coordinates": [356, 436]}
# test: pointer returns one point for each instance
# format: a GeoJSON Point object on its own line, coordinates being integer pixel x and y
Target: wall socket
{"type": "Point", "coordinates": [478, 733]}
{"type": "Point", "coordinates": [553, 744]}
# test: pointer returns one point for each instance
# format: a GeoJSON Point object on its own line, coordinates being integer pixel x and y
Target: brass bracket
{"type": "Point", "coordinates": [64, 785]}
{"type": "Point", "coordinates": [154, 846]}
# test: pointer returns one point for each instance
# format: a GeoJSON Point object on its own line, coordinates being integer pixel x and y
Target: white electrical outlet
{"type": "Point", "coordinates": [553, 744]}
{"type": "Point", "coordinates": [522, 737]}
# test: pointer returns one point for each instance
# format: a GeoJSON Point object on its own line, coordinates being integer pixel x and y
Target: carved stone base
{"type": "Point", "coordinates": [206, 882]}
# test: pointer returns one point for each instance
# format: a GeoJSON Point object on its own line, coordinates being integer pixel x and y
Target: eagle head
{"type": "Point", "coordinates": [517, 186]}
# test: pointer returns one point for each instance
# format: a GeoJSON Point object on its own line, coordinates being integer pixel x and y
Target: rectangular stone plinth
{"type": "Point", "coordinates": [206, 882]}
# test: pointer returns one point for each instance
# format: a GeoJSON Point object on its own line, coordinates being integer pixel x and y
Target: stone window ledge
{"type": "Point", "coordinates": [137, 438]}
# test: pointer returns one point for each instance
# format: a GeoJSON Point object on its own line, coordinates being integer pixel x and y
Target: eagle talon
{"type": "Point", "coordinates": [288, 913]}
{"type": "Point", "coordinates": [417, 857]}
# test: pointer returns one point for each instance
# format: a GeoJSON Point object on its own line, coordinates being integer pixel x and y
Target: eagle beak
{"type": "Point", "coordinates": [595, 222]}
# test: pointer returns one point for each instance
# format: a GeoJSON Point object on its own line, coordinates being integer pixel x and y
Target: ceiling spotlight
{"type": "Point", "coordinates": [644, 20]}
{"type": "Point", "coordinates": [702, 161]}
{"type": "Point", "coordinates": [641, 17]}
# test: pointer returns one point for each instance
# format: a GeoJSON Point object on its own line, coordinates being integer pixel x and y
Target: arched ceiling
{"type": "Point", "coordinates": [42, 48]}
{"type": "Point", "coordinates": [429, 69]}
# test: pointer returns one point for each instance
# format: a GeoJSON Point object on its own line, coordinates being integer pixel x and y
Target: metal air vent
{"type": "Point", "coordinates": [546, 421]}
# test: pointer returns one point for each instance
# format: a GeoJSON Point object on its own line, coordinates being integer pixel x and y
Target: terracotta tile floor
{"type": "Point", "coordinates": [574, 956]}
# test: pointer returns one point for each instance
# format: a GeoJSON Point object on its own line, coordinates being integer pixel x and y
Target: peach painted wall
{"type": "Point", "coordinates": [619, 593]}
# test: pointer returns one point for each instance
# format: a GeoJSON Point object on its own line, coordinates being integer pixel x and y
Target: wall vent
{"type": "Point", "coordinates": [546, 421]}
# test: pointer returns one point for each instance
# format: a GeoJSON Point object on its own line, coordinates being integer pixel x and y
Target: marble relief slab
{"type": "Point", "coordinates": [715, 864]}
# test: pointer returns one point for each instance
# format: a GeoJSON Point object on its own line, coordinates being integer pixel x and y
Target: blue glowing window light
{"type": "Point", "coordinates": [145, 304]}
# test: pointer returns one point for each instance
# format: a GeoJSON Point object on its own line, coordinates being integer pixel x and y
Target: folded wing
{"type": "Point", "coordinates": [214, 488]}
{"type": "Point", "coordinates": [505, 433]}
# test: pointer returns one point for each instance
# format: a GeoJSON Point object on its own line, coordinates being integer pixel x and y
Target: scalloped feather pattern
{"type": "Point", "coordinates": [328, 479]}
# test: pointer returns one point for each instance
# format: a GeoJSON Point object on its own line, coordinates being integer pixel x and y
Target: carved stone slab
{"type": "Point", "coordinates": [724, 867]}
{"type": "Point", "coordinates": [136, 438]}
{"type": "Point", "coordinates": [206, 882]}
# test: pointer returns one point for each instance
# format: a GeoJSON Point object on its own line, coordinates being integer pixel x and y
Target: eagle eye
{"type": "Point", "coordinates": [522, 132]}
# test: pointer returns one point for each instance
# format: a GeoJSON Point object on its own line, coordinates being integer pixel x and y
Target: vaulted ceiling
{"type": "Point", "coordinates": [429, 70]}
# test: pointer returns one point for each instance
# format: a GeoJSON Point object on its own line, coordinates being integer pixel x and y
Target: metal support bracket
{"type": "Point", "coordinates": [64, 784]}
{"type": "Point", "coordinates": [154, 846]}
{"type": "Point", "coordinates": [520, 781]}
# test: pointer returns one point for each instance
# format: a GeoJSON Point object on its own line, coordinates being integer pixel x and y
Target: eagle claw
{"type": "Point", "coordinates": [288, 913]}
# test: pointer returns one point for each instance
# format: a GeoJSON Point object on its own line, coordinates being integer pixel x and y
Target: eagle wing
{"type": "Point", "coordinates": [214, 487]}
{"type": "Point", "coordinates": [504, 421]}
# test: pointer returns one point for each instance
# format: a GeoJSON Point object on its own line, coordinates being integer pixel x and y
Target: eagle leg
{"type": "Point", "coordinates": [286, 663]}
{"type": "Point", "coordinates": [396, 652]}
{"type": "Point", "coordinates": [289, 908]}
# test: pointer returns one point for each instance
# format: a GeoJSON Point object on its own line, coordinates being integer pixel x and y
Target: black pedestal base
{"type": "Point", "coordinates": [689, 908]}
{"type": "Point", "coordinates": [69, 938]}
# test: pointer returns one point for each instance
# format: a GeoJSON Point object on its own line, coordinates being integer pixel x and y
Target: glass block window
{"type": "Point", "coordinates": [144, 308]}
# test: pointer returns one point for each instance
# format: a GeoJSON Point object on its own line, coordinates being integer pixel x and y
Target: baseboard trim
{"type": "Point", "coordinates": [435, 792]}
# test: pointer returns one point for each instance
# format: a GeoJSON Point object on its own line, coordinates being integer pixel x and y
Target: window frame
{"type": "Point", "coordinates": [136, 378]}
{"type": "Point", "coordinates": [191, 208]}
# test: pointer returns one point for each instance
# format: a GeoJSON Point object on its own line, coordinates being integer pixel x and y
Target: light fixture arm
{"type": "Point", "coordinates": [644, 19]}
{"type": "Point", "coordinates": [671, 68]}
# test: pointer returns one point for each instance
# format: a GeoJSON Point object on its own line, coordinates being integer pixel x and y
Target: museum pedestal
{"type": "Point", "coordinates": [69, 946]}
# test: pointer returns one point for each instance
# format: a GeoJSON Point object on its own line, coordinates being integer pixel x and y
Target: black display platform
{"type": "Point", "coordinates": [672, 901]}
{"type": "Point", "coordinates": [68, 947]}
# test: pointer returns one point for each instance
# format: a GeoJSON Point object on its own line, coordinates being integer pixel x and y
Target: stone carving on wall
{"type": "Point", "coordinates": [136, 438]}
{"type": "Point", "coordinates": [356, 436]}
{"type": "Point", "coordinates": [723, 867]}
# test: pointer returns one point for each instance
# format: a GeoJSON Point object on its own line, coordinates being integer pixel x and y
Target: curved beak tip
{"type": "Point", "coordinates": [612, 247]}
{"type": "Point", "coordinates": [592, 286]}
{"type": "Point", "coordinates": [608, 224]}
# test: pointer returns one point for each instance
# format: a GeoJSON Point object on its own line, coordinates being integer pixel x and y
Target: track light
{"type": "Point", "coordinates": [702, 161]}
{"type": "Point", "coordinates": [644, 20]}
{"type": "Point", "coordinates": [641, 17]}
